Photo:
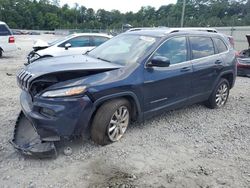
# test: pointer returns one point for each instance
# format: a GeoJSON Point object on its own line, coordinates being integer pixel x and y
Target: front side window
{"type": "Point", "coordinates": [220, 45]}
{"type": "Point", "coordinates": [77, 42]}
{"type": "Point", "coordinates": [201, 47]}
{"type": "Point", "coordinates": [175, 49]}
{"type": "Point", "coordinates": [124, 49]}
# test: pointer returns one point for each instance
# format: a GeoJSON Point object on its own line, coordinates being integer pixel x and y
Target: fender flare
{"type": "Point", "coordinates": [222, 74]}
{"type": "Point", "coordinates": [103, 99]}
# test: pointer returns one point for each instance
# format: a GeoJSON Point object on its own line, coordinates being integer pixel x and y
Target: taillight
{"type": "Point", "coordinates": [11, 39]}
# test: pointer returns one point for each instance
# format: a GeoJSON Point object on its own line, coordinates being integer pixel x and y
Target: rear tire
{"type": "Point", "coordinates": [1, 53]}
{"type": "Point", "coordinates": [111, 121]}
{"type": "Point", "coordinates": [219, 96]}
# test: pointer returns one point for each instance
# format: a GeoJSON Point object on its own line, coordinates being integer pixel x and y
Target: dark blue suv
{"type": "Point", "coordinates": [133, 76]}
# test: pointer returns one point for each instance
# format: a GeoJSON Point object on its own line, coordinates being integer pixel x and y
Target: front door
{"type": "Point", "coordinates": [79, 45]}
{"type": "Point", "coordinates": [168, 87]}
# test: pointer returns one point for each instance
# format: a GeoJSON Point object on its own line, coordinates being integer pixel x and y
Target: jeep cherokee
{"type": "Point", "coordinates": [133, 76]}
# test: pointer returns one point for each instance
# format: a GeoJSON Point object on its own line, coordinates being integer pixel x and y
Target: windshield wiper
{"type": "Point", "coordinates": [103, 59]}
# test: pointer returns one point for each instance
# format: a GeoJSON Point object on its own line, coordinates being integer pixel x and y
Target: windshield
{"type": "Point", "coordinates": [4, 31]}
{"type": "Point", "coordinates": [60, 40]}
{"type": "Point", "coordinates": [123, 49]}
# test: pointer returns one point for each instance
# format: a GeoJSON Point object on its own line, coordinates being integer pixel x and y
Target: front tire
{"type": "Point", "coordinates": [111, 121]}
{"type": "Point", "coordinates": [219, 95]}
{"type": "Point", "coordinates": [1, 53]}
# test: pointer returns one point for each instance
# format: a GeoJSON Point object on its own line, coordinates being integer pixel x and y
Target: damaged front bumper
{"type": "Point", "coordinates": [28, 142]}
{"type": "Point", "coordinates": [45, 121]}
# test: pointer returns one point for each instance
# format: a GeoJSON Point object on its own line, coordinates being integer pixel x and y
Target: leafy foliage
{"type": "Point", "coordinates": [46, 14]}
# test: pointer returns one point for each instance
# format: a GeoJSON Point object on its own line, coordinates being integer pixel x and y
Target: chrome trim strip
{"type": "Point", "coordinates": [159, 100]}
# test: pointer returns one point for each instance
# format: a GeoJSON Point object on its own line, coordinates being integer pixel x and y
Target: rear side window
{"type": "Point", "coordinates": [99, 40]}
{"type": "Point", "coordinates": [4, 31]}
{"type": "Point", "coordinates": [220, 45]}
{"type": "Point", "coordinates": [175, 49]}
{"type": "Point", "coordinates": [77, 42]}
{"type": "Point", "coordinates": [201, 47]}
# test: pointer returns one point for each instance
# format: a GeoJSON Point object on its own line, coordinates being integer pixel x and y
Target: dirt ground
{"type": "Point", "coordinates": [191, 147]}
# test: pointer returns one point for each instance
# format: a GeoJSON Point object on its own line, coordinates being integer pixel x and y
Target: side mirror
{"type": "Point", "coordinates": [67, 46]}
{"type": "Point", "coordinates": [159, 61]}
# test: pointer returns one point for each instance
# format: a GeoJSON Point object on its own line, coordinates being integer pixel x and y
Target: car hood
{"type": "Point", "coordinates": [68, 64]}
{"type": "Point", "coordinates": [40, 44]}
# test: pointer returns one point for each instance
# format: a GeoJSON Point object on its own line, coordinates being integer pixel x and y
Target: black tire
{"type": "Point", "coordinates": [211, 102]}
{"type": "Point", "coordinates": [102, 119]}
{"type": "Point", "coordinates": [1, 53]}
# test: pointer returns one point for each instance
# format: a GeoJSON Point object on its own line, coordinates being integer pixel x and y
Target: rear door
{"type": "Point", "coordinates": [165, 87]}
{"type": "Point", "coordinates": [207, 65]}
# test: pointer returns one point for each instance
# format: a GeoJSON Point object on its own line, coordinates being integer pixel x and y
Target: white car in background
{"type": "Point", "coordinates": [73, 44]}
{"type": "Point", "coordinates": [7, 40]}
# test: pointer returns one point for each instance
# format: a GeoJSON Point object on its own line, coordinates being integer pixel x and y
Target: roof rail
{"type": "Point", "coordinates": [146, 28]}
{"type": "Point", "coordinates": [174, 30]}
{"type": "Point", "coordinates": [210, 30]}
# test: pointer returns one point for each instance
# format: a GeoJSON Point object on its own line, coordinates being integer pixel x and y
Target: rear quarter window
{"type": "Point", "coordinates": [201, 47]}
{"type": "Point", "coordinates": [4, 31]}
{"type": "Point", "coordinates": [99, 40]}
{"type": "Point", "coordinates": [221, 46]}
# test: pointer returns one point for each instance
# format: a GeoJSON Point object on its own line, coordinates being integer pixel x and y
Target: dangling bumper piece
{"type": "Point", "coordinates": [28, 142]}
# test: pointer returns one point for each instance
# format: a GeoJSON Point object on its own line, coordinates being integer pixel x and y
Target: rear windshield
{"type": "Point", "coordinates": [4, 31]}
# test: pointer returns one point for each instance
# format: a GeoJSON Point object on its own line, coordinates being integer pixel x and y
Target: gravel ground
{"type": "Point", "coordinates": [190, 147]}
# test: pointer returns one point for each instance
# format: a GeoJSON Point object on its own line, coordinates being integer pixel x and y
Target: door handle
{"type": "Point", "coordinates": [185, 69]}
{"type": "Point", "coordinates": [217, 62]}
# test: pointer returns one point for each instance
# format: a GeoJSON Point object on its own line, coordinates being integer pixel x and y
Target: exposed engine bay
{"type": "Point", "coordinates": [45, 81]}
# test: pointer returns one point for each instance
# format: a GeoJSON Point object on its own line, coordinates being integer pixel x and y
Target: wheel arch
{"type": "Point", "coordinates": [130, 96]}
{"type": "Point", "coordinates": [229, 76]}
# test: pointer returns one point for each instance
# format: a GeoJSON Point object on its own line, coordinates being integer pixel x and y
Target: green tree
{"type": "Point", "coordinates": [47, 14]}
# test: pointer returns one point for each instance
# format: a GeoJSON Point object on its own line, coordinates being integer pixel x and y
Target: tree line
{"type": "Point", "coordinates": [48, 15]}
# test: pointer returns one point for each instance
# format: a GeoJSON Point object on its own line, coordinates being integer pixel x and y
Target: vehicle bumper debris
{"type": "Point", "coordinates": [28, 142]}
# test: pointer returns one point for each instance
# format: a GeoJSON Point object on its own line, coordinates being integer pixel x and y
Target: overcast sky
{"type": "Point", "coordinates": [121, 5]}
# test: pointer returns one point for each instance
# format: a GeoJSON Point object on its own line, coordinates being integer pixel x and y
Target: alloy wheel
{"type": "Point", "coordinates": [118, 123]}
{"type": "Point", "coordinates": [221, 95]}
